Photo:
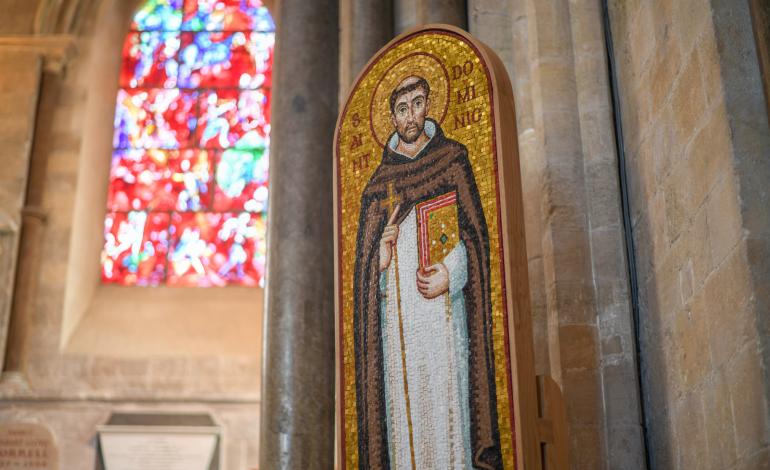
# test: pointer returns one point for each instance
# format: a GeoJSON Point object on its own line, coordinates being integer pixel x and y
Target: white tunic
{"type": "Point", "coordinates": [435, 347]}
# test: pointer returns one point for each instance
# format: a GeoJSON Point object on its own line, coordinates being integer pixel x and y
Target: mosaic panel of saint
{"type": "Point", "coordinates": [425, 372]}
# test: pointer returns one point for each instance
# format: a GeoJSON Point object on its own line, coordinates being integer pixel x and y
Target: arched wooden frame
{"type": "Point", "coordinates": [514, 260]}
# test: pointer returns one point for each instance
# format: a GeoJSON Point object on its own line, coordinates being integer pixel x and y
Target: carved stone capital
{"type": "Point", "coordinates": [55, 49]}
{"type": "Point", "coordinates": [8, 224]}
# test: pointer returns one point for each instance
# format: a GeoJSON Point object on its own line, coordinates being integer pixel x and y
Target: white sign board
{"type": "Point", "coordinates": [151, 448]}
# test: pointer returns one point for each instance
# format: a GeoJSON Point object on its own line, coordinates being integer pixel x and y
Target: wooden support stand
{"type": "Point", "coordinates": [552, 425]}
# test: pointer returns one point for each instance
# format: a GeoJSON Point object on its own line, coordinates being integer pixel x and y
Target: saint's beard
{"type": "Point", "coordinates": [416, 135]}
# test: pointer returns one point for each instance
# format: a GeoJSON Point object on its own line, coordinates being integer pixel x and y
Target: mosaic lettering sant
{"type": "Point", "coordinates": [423, 317]}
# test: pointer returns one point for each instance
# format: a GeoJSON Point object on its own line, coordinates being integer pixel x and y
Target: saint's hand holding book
{"type": "Point", "coordinates": [438, 235]}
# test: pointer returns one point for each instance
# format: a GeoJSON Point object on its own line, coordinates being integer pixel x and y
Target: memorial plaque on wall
{"type": "Point", "coordinates": [435, 366]}
{"type": "Point", "coordinates": [26, 446]}
{"type": "Point", "coordinates": [159, 442]}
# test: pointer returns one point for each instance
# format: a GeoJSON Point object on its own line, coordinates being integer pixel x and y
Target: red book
{"type": "Point", "coordinates": [437, 228]}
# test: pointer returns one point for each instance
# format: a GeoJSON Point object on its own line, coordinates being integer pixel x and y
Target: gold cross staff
{"type": "Point", "coordinates": [391, 200]}
{"type": "Point", "coordinates": [392, 203]}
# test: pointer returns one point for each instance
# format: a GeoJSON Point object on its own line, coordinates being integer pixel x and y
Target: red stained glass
{"type": "Point", "coordinates": [154, 119]}
{"type": "Point", "coordinates": [240, 59]}
{"type": "Point", "coordinates": [187, 200]}
{"type": "Point", "coordinates": [135, 248]}
{"type": "Point", "coordinates": [215, 249]}
{"type": "Point", "coordinates": [149, 60]}
{"type": "Point", "coordinates": [160, 180]}
{"type": "Point", "coordinates": [230, 118]}
{"type": "Point", "coordinates": [261, 47]}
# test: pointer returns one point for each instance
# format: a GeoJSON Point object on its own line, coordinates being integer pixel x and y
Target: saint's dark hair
{"type": "Point", "coordinates": [420, 83]}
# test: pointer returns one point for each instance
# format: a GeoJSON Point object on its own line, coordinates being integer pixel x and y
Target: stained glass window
{"type": "Point", "coordinates": [187, 199]}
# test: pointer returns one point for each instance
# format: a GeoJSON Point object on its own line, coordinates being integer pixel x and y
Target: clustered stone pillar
{"type": "Point", "coordinates": [410, 13]}
{"type": "Point", "coordinates": [297, 417]}
{"type": "Point", "coordinates": [505, 27]}
{"type": "Point", "coordinates": [365, 27]}
{"type": "Point", "coordinates": [372, 28]}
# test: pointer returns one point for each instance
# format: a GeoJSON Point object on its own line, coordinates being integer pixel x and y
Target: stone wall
{"type": "Point", "coordinates": [697, 143]}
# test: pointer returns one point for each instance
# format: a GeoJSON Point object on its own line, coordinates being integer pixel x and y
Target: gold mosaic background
{"type": "Point", "coordinates": [359, 155]}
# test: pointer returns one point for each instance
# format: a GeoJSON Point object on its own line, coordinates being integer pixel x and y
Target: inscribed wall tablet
{"type": "Point", "coordinates": [27, 446]}
{"type": "Point", "coordinates": [434, 337]}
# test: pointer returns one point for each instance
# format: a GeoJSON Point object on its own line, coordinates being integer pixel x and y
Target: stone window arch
{"type": "Point", "coordinates": [170, 319]}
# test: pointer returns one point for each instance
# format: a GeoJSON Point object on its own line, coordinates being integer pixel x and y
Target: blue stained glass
{"type": "Point", "coordinates": [203, 57]}
{"type": "Point", "coordinates": [241, 181]}
{"type": "Point", "coordinates": [158, 15]}
{"type": "Point", "coordinates": [225, 60]}
{"type": "Point", "coordinates": [226, 15]}
{"type": "Point", "coordinates": [263, 21]}
{"type": "Point", "coordinates": [149, 59]}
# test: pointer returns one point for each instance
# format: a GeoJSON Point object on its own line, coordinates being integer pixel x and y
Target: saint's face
{"type": "Point", "coordinates": [409, 114]}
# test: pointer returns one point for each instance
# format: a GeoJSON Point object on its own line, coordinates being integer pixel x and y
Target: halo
{"type": "Point", "coordinates": [421, 64]}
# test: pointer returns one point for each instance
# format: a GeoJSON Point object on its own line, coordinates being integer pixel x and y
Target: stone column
{"type": "Point", "coordinates": [366, 27]}
{"type": "Point", "coordinates": [410, 13]}
{"type": "Point", "coordinates": [20, 85]}
{"type": "Point", "coordinates": [505, 26]}
{"type": "Point", "coordinates": [745, 363]}
{"type": "Point", "coordinates": [760, 15]}
{"type": "Point", "coordinates": [297, 416]}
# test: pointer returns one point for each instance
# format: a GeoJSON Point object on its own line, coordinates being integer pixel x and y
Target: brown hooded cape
{"type": "Point", "coordinates": [442, 166]}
